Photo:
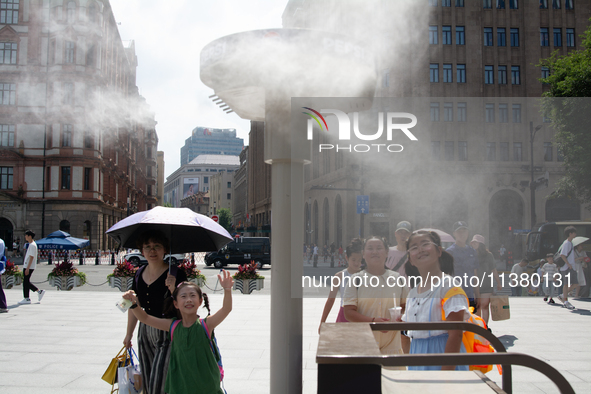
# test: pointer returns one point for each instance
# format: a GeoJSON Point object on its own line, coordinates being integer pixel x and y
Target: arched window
{"type": "Point", "coordinates": [71, 9]}
{"type": "Point", "coordinates": [65, 226]}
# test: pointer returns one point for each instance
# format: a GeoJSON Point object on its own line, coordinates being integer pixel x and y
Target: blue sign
{"type": "Point", "coordinates": [362, 204]}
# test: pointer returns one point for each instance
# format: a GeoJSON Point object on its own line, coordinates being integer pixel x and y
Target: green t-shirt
{"type": "Point", "coordinates": [192, 367]}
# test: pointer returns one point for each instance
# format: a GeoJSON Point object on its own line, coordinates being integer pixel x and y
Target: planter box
{"type": "Point", "coordinates": [65, 282]}
{"type": "Point", "coordinates": [247, 286]}
{"type": "Point", "coordinates": [200, 282]}
{"type": "Point", "coordinates": [123, 283]}
{"type": "Point", "coordinates": [11, 280]}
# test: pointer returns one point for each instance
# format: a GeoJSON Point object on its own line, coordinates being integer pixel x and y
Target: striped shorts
{"type": "Point", "coordinates": [154, 354]}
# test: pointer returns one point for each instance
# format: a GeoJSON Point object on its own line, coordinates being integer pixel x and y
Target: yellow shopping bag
{"type": "Point", "coordinates": [120, 360]}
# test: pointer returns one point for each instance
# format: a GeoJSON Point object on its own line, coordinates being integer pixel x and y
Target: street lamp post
{"type": "Point", "coordinates": [532, 185]}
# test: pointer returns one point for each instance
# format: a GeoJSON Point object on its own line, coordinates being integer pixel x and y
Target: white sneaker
{"type": "Point", "coordinates": [569, 305]}
{"type": "Point", "coordinates": [560, 298]}
{"type": "Point", "coordinates": [25, 301]}
{"type": "Point", "coordinates": [40, 294]}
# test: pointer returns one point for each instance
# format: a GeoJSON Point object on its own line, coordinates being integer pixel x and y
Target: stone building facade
{"type": "Point", "coordinates": [474, 66]}
{"type": "Point", "coordinates": [78, 149]}
{"type": "Point", "coordinates": [258, 221]}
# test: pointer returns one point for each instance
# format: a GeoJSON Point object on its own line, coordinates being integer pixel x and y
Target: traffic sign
{"type": "Point", "coordinates": [362, 204]}
{"type": "Point", "coordinates": [215, 218]}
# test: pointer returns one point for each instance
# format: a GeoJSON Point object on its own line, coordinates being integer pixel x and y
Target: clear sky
{"type": "Point", "coordinates": [169, 36]}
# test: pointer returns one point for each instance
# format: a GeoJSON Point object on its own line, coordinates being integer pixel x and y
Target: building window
{"type": "Point", "coordinates": [8, 52]}
{"type": "Point", "coordinates": [489, 75]}
{"type": "Point", "coordinates": [70, 47]}
{"type": "Point", "coordinates": [6, 135]}
{"type": "Point", "coordinates": [446, 35]}
{"type": "Point", "coordinates": [517, 154]}
{"type": "Point", "coordinates": [501, 37]}
{"type": "Point", "coordinates": [436, 150]}
{"type": "Point", "coordinates": [67, 135]}
{"type": "Point", "coordinates": [462, 150]}
{"type": "Point", "coordinates": [448, 112]}
{"type": "Point", "coordinates": [87, 175]}
{"type": "Point", "coordinates": [487, 4]}
{"type": "Point", "coordinates": [570, 38]}
{"type": "Point", "coordinates": [6, 178]}
{"type": "Point", "coordinates": [447, 73]}
{"type": "Point", "coordinates": [433, 34]}
{"type": "Point", "coordinates": [449, 150]}
{"type": "Point", "coordinates": [501, 4]}
{"type": "Point", "coordinates": [488, 37]}
{"type": "Point", "coordinates": [88, 140]}
{"type": "Point", "coordinates": [229, 185]}
{"type": "Point", "coordinates": [461, 73]}
{"type": "Point", "coordinates": [71, 15]}
{"type": "Point", "coordinates": [460, 35]}
{"type": "Point", "coordinates": [8, 93]}
{"type": "Point", "coordinates": [386, 79]}
{"type": "Point", "coordinates": [489, 113]}
{"type": "Point", "coordinates": [434, 112]}
{"type": "Point", "coordinates": [543, 4]}
{"type": "Point", "coordinates": [514, 37]}
{"type": "Point", "coordinates": [545, 72]}
{"type": "Point", "coordinates": [92, 13]}
{"type": "Point", "coordinates": [205, 179]}
{"type": "Point", "coordinates": [228, 196]}
{"type": "Point", "coordinates": [461, 112]}
{"type": "Point", "coordinates": [515, 76]}
{"type": "Point", "coordinates": [504, 151]}
{"type": "Point", "coordinates": [433, 3]}
{"type": "Point", "coordinates": [516, 113]}
{"type": "Point", "coordinates": [513, 4]}
{"type": "Point", "coordinates": [8, 12]}
{"type": "Point", "coordinates": [544, 40]}
{"type": "Point", "coordinates": [434, 72]}
{"type": "Point", "coordinates": [557, 34]}
{"type": "Point", "coordinates": [446, 3]}
{"type": "Point", "coordinates": [491, 151]}
{"type": "Point", "coordinates": [503, 113]}
{"type": "Point", "coordinates": [502, 74]}
{"type": "Point", "coordinates": [459, 3]}
{"type": "Point", "coordinates": [547, 151]}
{"type": "Point", "coordinates": [556, 4]}
{"type": "Point", "coordinates": [66, 178]}
{"type": "Point", "coordinates": [569, 4]}
{"type": "Point", "coordinates": [68, 98]}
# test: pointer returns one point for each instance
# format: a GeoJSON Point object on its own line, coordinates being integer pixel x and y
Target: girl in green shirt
{"type": "Point", "coordinates": [192, 367]}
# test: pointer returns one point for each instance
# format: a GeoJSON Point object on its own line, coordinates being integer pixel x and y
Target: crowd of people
{"type": "Point", "coordinates": [420, 254]}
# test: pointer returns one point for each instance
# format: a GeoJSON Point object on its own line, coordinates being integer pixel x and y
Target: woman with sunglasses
{"type": "Point", "coordinates": [153, 284]}
{"type": "Point", "coordinates": [427, 303]}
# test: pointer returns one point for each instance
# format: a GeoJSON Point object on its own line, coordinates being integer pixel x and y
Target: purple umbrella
{"type": "Point", "coordinates": [187, 231]}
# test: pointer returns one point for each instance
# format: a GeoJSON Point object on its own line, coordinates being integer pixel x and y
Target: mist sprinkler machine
{"type": "Point", "coordinates": [256, 74]}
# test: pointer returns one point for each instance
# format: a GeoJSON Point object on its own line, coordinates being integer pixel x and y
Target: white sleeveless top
{"type": "Point", "coordinates": [343, 285]}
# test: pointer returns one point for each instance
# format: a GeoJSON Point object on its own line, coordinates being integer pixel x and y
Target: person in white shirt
{"type": "Point", "coordinates": [548, 279]}
{"type": "Point", "coordinates": [569, 275]}
{"type": "Point", "coordinates": [30, 264]}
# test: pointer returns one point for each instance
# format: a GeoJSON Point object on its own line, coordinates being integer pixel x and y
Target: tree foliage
{"type": "Point", "coordinates": [568, 104]}
{"type": "Point", "coordinates": [225, 218]}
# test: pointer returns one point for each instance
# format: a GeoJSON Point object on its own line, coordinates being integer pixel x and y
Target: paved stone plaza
{"type": "Point", "coordinates": [64, 344]}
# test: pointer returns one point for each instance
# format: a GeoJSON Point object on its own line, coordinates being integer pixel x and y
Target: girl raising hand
{"type": "Point", "coordinates": [192, 368]}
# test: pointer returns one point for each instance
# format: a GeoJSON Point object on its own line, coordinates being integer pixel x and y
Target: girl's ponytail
{"type": "Point", "coordinates": [206, 303]}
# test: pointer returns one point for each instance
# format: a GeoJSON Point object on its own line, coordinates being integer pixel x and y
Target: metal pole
{"type": "Point", "coordinates": [532, 187]}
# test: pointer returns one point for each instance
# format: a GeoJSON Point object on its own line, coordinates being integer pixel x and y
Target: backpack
{"type": "Point", "coordinates": [558, 260]}
{"type": "Point", "coordinates": [213, 344]}
{"type": "Point", "coordinates": [473, 343]}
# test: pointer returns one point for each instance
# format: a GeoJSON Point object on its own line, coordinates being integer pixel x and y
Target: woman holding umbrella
{"type": "Point", "coordinates": [153, 285]}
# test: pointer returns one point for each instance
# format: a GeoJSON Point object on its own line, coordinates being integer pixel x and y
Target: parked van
{"type": "Point", "coordinates": [242, 251]}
